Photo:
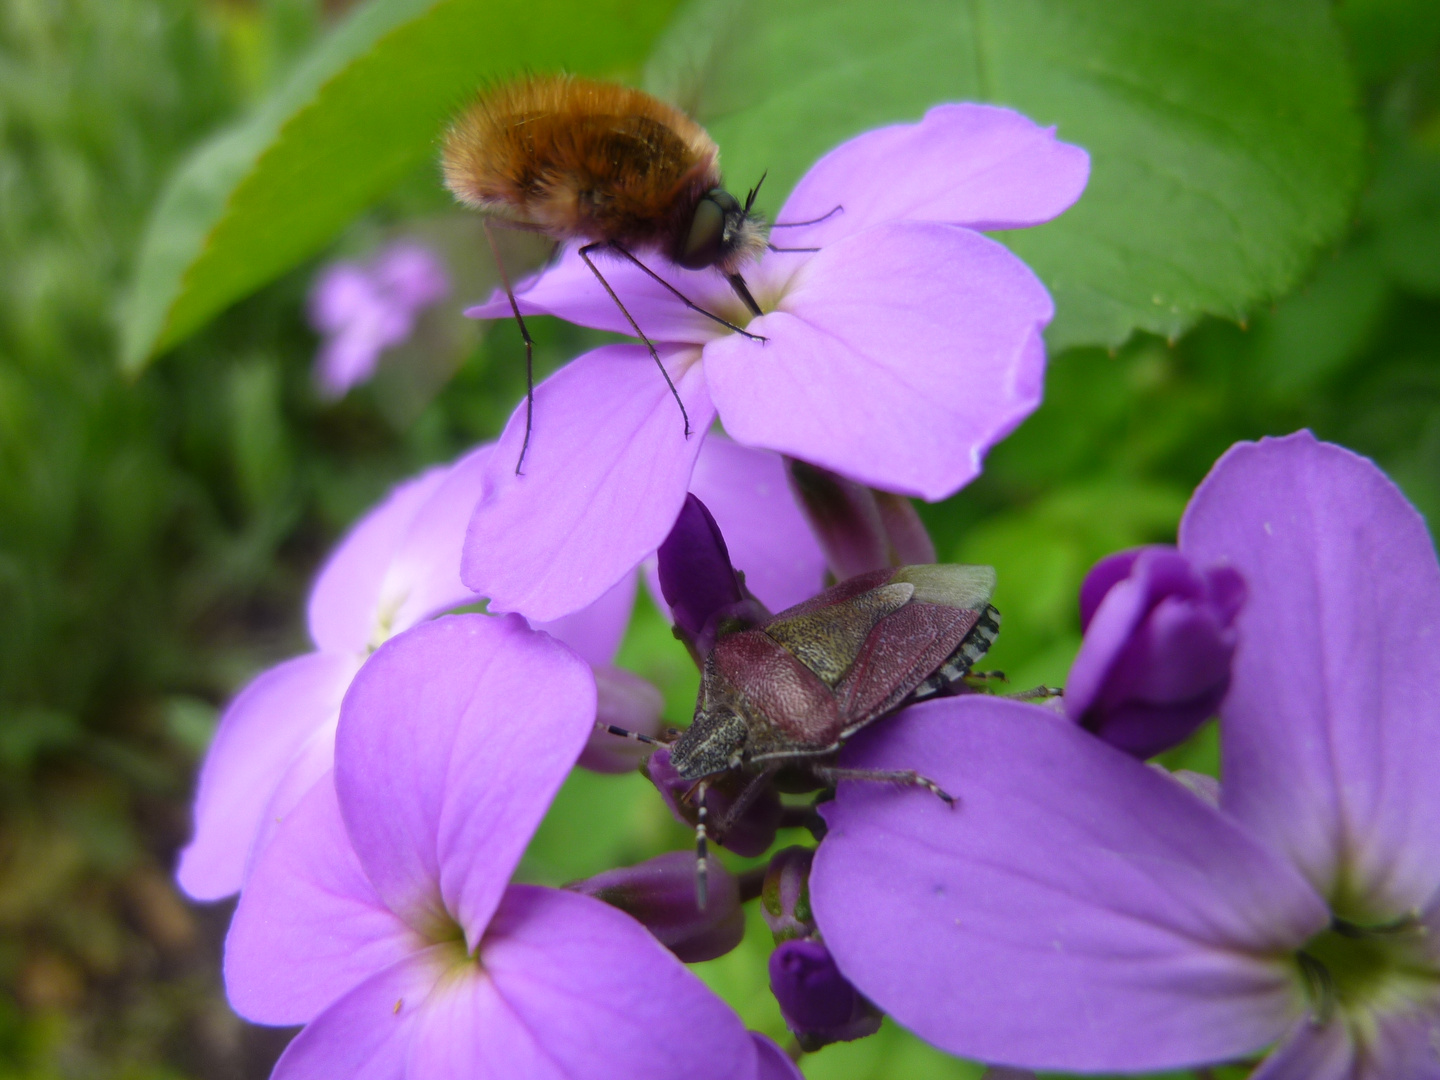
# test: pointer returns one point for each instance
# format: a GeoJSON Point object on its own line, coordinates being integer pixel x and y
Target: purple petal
{"type": "Point", "coordinates": [898, 358]}
{"type": "Point", "coordinates": [1104, 576]}
{"type": "Point", "coordinates": [569, 290]}
{"type": "Point", "coordinates": [604, 478]}
{"type": "Point", "coordinates": [1333, 716]}
{"type": "Point", "coordinates": [770, 543]}
{"type": "Point", "coordinates": [595, 632]}
{"type": "Point", "coordinates": [423, 576]}
{"type": "Point", "coordinates": [1315, 1052]}
{"type": "Point", "coordinates": [345, 601]}
{"type": "Point", "coordinates": [367, 1034]}
{"type": "Point", "coordinates": [660, 894]}
{"type": "Point", "coordinates": [314, 759]}
{"type": "Point", "coordinates": [1100, 916]}
{"type": "Point", "coordinates": [775, 1064]}
{"type": "Point", "coordinates": [974, 165]}
{"type": "Point", "coordinates": [261, 733]}
{"type": "Point", "coordinates": [453, 740]}
{"type": "Point", "coordinates": [696, 577]}
{"type": "Point", "coordinates": [576, 990]}
{"type": "Point", "coordinates": [309, 926]}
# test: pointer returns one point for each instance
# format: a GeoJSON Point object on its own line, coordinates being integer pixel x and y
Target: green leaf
{"type": "Point", "coordinates": [1223, 134]}
{"type": "Point", "coordinates": [361, 112]}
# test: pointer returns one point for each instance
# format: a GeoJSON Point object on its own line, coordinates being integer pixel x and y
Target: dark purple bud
{"type": "Point", "coordinates": [785, 894]}
{"type": "Point", "coordinates": [1159, 638]}
{"type": "Point", "coordinates": [626, 700]}
{"type": "Point", "coordinates": [660, 893]}
{"type": "Point", "coordinates": [754, 826]}
{"type": "Point", "coordinates": [859, 529]}
{"type": "Point", "coordinates": [819, 1004]}
{"type": "Point", "coordinates": [702, 588]}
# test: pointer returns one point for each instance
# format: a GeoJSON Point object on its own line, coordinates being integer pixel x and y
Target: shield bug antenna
{"type": "Point", "coordinates": [614, 168]}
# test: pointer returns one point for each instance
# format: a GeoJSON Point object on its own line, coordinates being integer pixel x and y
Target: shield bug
{"type": "Point", "coordinates": [608, 165]}
{"type": "Point", "coordinates": [777, 701]}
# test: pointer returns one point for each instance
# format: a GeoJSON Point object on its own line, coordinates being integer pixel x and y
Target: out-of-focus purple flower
{"type": "Point", "coordinates": [1159, 637]}
{"type": "Point", "coordinates": [896, 354]}
{"type": "Point", "coordinates": [364, 309]}
{"type": "Point", "coordinates": [859, 528]}
{"type": "Point", "coordinates": [1101, 916]}
{"type": "Point", "coordinates": [382, 917]}
{"type": "Point", "coordinates": [819, 1004]}
{"type": "Point", "coordinates": [749, 832]}
{"type": "Point", "coordinates": [660, 893]}
{"type": "Point", "coordinates": [399, 565]}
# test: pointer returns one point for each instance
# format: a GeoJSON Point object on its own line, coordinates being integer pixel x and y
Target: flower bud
{"type": "Point", "coordinates": [785, 894]}
{"type": "Point", "coordinates": [819, 1004]}
{"type": "Point", "coordinates": [627, 701]}
{"type": "Point", "coordinates": [750, 834]}
{"type": "Point", "coordinates": [1159, 638]}
{"type": "Point", "coordinates": [859, 528]}
{"type": "Point", "coordinates": [660, 893]}
{"type": "Point", "coordinates": [705, 594]}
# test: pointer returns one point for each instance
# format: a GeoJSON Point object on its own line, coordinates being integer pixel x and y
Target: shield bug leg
{"type": "Point", "coordinates": [748, 794]}
{"type": "Point", "coordinates": [908, 777]}
{"type": "Point", "coordinates": [585, 254]}
{"type": "Point", "coordinates": [1038, 693]}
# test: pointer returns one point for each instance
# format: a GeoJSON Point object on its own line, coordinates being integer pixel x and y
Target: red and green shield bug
{"type": "Point", "coordinates": [778, 701]}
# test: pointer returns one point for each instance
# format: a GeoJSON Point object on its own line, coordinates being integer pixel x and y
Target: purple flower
{"type": "Point", "coordinates": [660, 893]}
{"type": "Point", "coordinates": [896, 354]}
{"type": "Point", "coordinates": [1086, 912]}
{"type": "Point", "coordinates": [362, 310]}
{"type": "Point", "coordinates": [752, 830]}
{"type": "Point", "coordinates": [399, 565]}
{"type": "Point", "coordinates": [382, 916]}
{"type": "Point", "coordinates": [1159, 636]}
{"type": "Point", "coordinates": [820, 1005]}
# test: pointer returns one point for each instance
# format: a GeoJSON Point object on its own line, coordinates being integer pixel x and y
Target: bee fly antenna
{"type": "Point", "coordinates": [702, 851]}
{"type": "Point", "coordinates": [750, 199]}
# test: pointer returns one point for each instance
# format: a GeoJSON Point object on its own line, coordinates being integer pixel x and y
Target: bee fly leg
{"type": "Point", "coordinates": [585, 254]}
{"type": "Point", "coordinates": [529, 347]}
{"type": "Point", "coordinates": [813, 221]}
{"type": "Point", "coordinates": [740, 290]}
{"type": "Point", "coordinates": [908, 777]}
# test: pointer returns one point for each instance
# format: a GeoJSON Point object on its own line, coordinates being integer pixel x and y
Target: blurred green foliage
{"type": "Point", "coordinates": [157, 536]}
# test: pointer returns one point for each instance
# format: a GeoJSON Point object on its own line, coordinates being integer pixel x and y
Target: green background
{"type": "Point", "coordinates": [1258, 250]}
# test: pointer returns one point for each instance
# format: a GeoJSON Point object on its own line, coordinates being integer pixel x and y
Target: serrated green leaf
{"type": "Point", "coordinates": [359, 114]}
{"type": "Point", "coordinates": [1223, 134]}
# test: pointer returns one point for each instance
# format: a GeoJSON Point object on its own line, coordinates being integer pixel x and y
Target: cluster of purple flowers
{"type": "Point", "coordinates": [1077, 908]}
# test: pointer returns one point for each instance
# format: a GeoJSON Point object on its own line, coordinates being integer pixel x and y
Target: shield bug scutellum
{"type": "Point", "coordinates": [612, 167]}
{"type": "Point", "coordinates": [777, 701]}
